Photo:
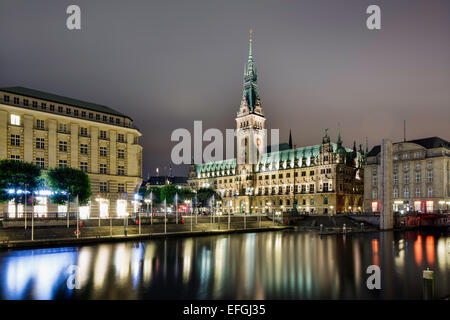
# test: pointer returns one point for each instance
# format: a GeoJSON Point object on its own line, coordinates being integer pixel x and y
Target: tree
{"type": "Point", "coordinates": [154, 194]}
{"type": "Point", "coordinates": [71, 180]}
{"type": "Point", "coordinates": [204, 196]}
{"type": "Point", "coordinates": [15, 177]}
{"type": "Point", "coordinates": [168, 193]}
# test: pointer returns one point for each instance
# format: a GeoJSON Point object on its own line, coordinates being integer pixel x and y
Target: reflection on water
{"type": "Point", "coordinates": [270, 265]}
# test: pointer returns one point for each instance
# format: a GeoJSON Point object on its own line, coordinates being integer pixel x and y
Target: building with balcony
{"type": "Point", "coordinates": [420, 176]}
{"type": "Point", "coordinates": [51, 131]}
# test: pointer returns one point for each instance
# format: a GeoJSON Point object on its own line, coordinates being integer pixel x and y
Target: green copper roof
{"type": "Point", "coordinates": [269, 161]}
{"type": "Point", "coordinates": [250, 92]}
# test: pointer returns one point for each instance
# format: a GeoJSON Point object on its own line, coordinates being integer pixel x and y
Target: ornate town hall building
{"type": "Point", "coordinates": [326, 178]}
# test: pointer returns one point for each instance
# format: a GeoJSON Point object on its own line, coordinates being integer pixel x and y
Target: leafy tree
{"type": "Point", "coordinates": [154, 193]}
{"type": "Point", "coordinates": [75, 181]}
{"type": "Point", "coordinates": [187, 194]}
{"type": "Point", "coordinates": [204, 196]}
{"type": "Point", "coordinates": [16, 175]}
{"type": "Point", "coordinates": [168, 193]}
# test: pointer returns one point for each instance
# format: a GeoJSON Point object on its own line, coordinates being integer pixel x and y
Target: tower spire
{"type": "Point", "coordinates": [251, 92]}
{"type": "Point", "coordinates": [250, 56]}
{"type": "Point", "coordinates": [339, 140]}
{"type": "Point", "coordinates": [290, 139]}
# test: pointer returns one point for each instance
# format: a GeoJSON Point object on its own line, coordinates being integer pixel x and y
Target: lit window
{"type": "Point", "coordinates": [41, 206]}
{"type": "Point", "coordinates": [121, 208]}
{"type": "Point", "coordinates": [84, 212]}
{"type": "Point", "coordinates": [15, 120]}
{"type": "Point", "coordinates": [374, 206]}
{"type": "Point", "coordinates": [12, 209]}
{"type": "Point", "coordinates": [103, 204]}
{"type": "Point", "coordinates": [62, 210]}
{"type": "Point", "coordinates": [429, 206]}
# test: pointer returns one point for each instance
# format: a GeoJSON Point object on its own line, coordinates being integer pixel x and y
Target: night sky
{"type": "Point", "coordinates": [168, 63]}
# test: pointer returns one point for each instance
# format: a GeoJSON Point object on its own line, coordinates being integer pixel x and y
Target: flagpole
{"type": "Point", "coordinates": [165, 216]}
{"type": "Point", "coordinates": [32, 219]}
{"type": "Point", "coordinates": [76, 212]}
{"type": "Point", "coordinates": [25, 207]}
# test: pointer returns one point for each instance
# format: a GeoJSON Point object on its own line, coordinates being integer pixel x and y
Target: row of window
{"type": "Point", "coordinates": [287, 202]}
{"type": "Point", "coordinates": [102, 168]}
{"type": "Point", "coordinates": [406, 193]}
{"type": "Point", "coordinates": [405, 167]}
{"type": "Point", "coordinates": [288, 175]}
{"type": "Point", "coordinates": [406, 155]}
{"type": "Point", "coordinates": [40, 144]}
{"type": "Point", "coordinates": [325, 187]}
{"type": "Point", "coordinates": [418, 178]}
{"type": "Point", "coordinates": [62, 128]}
{"type": "Point", "coordinates": [67, 110]}
{"type": "Point", "coordinates": [103, 187]}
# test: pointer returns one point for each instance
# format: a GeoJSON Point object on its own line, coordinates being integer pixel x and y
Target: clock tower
{"type": "Point", "coordinates": [250, 120]}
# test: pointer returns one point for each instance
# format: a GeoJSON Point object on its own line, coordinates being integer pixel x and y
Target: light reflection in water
{"type": "Point", "coordinates": [272, 265]}
{"type": "Point", "coordinates": [429, 243]}
{"type": "Point", "coordinates": [418, 250]}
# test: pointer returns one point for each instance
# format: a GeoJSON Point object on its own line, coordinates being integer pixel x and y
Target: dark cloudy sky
{"type": "Point", "coordinates": [168, 63]}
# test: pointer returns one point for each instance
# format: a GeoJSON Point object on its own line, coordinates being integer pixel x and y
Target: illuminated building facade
{"type": "Point", "coordinates": [51, 130]}
{"type": "Point", "coordinates": [420, 176]}
{"type": "Point", "coordinates": [326, 178]}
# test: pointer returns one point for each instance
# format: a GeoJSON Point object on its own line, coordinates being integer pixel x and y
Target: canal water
{"type": "Point", "coordinates": [266, 265]}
